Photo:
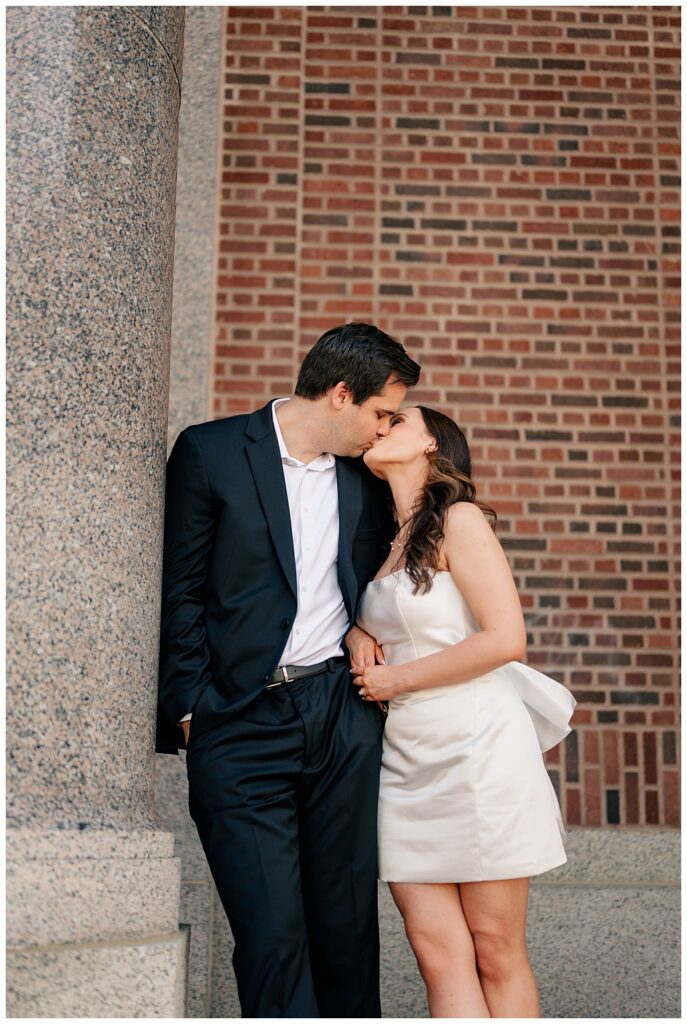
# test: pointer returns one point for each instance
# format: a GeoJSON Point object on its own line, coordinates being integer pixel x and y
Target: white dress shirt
{"type": "Point", "coordinates": [321, 617]}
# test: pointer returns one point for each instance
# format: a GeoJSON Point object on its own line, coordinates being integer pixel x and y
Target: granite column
{"type": "Point", "coordinates": [92, 884]}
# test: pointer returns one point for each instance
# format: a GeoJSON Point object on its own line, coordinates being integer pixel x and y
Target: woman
{"type": "Point", "coordinates": [467, 812]}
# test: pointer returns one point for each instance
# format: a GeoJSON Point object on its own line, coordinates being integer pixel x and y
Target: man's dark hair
{"type": "Point", "coordinates": [360, 355]}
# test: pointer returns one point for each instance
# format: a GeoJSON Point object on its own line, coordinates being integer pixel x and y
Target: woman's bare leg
{"type": "Point", "coordinates": [442, 944]}
{"type": "Point", "coordinates": [496, 914]}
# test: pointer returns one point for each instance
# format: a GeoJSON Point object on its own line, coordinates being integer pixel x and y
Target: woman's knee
{"type": "Point", "coordinates": [439, 952]}
{"type": "Point", "coordinates": [499, 955]}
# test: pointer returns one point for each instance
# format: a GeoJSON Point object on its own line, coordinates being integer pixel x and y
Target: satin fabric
{"type": "Point", "coordinates": [464, 792]}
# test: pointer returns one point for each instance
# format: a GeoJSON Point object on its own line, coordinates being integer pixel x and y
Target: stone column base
{"type": "Point", "coordinates": [106, 979]}
{"type": "Point", "coordinates": [93, 925]}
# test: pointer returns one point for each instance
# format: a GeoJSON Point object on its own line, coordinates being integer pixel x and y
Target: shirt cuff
{"type": "Point", "coordinates": [184, 719]}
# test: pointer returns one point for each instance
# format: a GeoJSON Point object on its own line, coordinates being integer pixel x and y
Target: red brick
{"type": "Point", "coordinates": [548, 324]}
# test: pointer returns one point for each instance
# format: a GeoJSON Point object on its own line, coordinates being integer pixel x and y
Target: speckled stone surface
{"type": "Point", "coordinates": [92, 105]}
{"type": "Point", "coordinates": [143, 979]}
{"type": "Point", "coordinates": [196, 902]}
{"type": "Point", "coordinates": [644, 855]}
{"type": "Point", "coordinates": [600, 951]}
{"type": "Point", "coordinates": [171, 800]}
{"type": "Point", "coordinates": [167, 30]}
{"type": "Point", "coordinates": [92, 117]}
{"type": "Point", "coordinates": [224, 999]}
{"type": "Point", "coordinates": [198, 191]}
{"type": "Point", "coordinates": [62, 899]}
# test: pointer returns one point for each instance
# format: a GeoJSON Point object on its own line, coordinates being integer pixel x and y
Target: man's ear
{"type": "Point", "coordinates": [340, 394]}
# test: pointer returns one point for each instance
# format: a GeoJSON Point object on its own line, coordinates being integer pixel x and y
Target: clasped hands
{"type": "Point", "coordinates": [377, 680]}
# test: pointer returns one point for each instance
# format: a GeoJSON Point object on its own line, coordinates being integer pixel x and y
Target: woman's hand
{"type": "Point", "coordinates": [378, 682]}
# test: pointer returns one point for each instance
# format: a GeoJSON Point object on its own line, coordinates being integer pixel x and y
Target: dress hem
{"type": "Point", "coordinates": [501, 876]}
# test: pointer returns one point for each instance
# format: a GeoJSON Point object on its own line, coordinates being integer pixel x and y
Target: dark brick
{"type": "Point", "coordinates": [443, 222]}
{"type": "Point", "coordinates": [494, 159]}
{"type": "Point", "coordinates": [494, 225]}
{"type": "Point", "coordinates": [589, 33]}
{"type": "Point", "coordinates": [634, 697]}
{"type": "Point", "coordinates": [418, 58]}
{"type": "Point", "coordinates": [417, 256]}
{"type": "Point", "coordinates": [335, 87]}
{"type": "Point", "coordinates": [418, 122]}
{"type": "Point", "coordinates": [613, 806]}
{"type": "Point", "coordinates": [566, 129]}
{"type": "Point", "coordinates": [624, 402]}
{"type": "Point", "coordinates": [395, 289]}
{"type": "Point", "coordinates": [571, 758]}
{"type": "Point", "coordinates": [234, 77]}
{"type": "Point", "coordinates": [550, 294]}
{"type": "Point", "coordinates": [548, 435]}
{"type": "Point", "coordinates": [516, 62]}
{"type": "Point", "coordinates": [607, 716]}
{"type": "Point", "coordinates": [568, 193]}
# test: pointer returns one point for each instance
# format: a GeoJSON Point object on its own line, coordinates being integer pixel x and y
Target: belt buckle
{"type": "Point", "coordinates": [285, 674]}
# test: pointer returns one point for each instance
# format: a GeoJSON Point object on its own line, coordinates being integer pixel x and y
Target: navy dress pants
{"type": "Point", "coordinates": [284, 797]}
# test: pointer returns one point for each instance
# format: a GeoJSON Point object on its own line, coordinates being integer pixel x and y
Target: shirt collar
{"type": "Point", "coordinates": [322, 462]}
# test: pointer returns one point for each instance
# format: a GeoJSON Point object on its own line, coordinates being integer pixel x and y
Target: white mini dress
{"type": "Point", "coordinates": [464, 792]}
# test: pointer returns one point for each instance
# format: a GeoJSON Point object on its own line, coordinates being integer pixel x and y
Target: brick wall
{"type": "Point", "coordinates": [497, 188]}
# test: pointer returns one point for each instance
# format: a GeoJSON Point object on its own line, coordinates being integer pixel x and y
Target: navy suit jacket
{"type": "Point", "coordinates": [229, 594]}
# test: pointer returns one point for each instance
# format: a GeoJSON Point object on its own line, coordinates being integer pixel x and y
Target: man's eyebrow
{"type": "Point", "coordinates": [389, 412]}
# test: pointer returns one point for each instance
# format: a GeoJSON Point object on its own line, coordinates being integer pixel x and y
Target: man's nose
{"type": "Point", "coordinates": [383, 427]}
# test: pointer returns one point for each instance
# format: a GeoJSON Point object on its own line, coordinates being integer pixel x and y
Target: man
{"type": "Point", "coordinates": [273, 528]}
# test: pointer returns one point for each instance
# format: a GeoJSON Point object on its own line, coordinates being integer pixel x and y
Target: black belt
{"type": "Point", "coordinates": [288, 673]}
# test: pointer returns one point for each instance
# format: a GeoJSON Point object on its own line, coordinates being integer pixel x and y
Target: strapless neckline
{"type": "Point", "coordinates": [396, 572]}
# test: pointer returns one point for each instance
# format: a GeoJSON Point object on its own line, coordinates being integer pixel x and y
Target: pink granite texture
{"type": "Point", "coordinates": [92, 113]}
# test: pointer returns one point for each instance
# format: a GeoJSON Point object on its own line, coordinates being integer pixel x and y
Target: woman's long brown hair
{"type": "Point", "coordinates": [449, 481]}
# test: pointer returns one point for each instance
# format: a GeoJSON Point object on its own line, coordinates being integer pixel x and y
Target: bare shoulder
{"type": "Point", "coordinates": [464, 518]}
{"type": "Point", "coordinates": [466, 530]}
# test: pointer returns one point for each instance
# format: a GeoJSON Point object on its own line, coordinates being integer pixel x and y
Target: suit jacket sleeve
{"type": "Point", "coordinates": [190, 523]}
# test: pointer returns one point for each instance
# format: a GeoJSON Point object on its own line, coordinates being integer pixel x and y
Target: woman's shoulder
{"type": "Point", "coordinates": [463, 528]}
{"type": "Point", "coordinates": [465, 515]}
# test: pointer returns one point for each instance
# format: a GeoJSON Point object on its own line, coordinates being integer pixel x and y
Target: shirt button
{"type": "Point", "coordinates": [285, 623]}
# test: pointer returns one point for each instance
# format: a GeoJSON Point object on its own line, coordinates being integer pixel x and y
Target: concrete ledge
{"type": "Point", "coordinates": [636, 856]}
{"type": "Point", "coordinates": [90, 886]}
{"type": "Point", "coordinates": [109, 979]}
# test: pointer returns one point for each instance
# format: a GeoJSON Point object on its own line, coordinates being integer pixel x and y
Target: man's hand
{"type": "Point", "coordinates": [186, 726]}
{"type": "Point", "coordinates": [364, 650]}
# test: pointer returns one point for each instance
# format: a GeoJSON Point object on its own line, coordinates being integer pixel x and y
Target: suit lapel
{"type": "Point", "coordinates": [349, 484]}
{"type": "Point", "coordinates": [268, 473]}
